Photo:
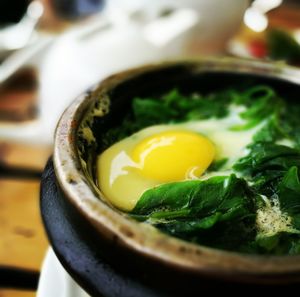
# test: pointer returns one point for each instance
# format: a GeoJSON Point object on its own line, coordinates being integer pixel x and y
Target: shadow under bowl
{"type": "Point", "coordinates": [168, 263]}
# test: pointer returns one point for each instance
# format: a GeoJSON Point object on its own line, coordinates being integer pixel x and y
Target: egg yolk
{"type": "Point", "coordinates": [174, 155]}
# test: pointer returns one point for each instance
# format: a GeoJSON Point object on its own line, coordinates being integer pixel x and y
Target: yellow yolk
{"type": "Point", "coordinates": [166, 153]}
{"type": "Point", "coordinates": [173, 155]}
{"type": "Point", "coordinates": [149, 158]}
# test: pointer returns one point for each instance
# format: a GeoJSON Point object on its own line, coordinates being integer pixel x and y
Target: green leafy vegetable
{"type": "Point", "coordinates": [217, 165]}
{"type": "Point", "coordinates": [266, 155]}
{"type": "Point", "coordinates": [197, 210]}
{"type": "Point", "coordinates": [283, 46]}
{"type": "Point", "coordinates": [278, 244]}
{"type": "Point", "coordinates": [173, 107]}
{"type": "Point", "coordinates": [271, 131]}
{"type": "Point", "coordinates": [222, 211]}
{"type": "Point", "coordinates": [290, 123]}
{"type": "Point", "coordinates": [176, 107]}
{"type": "Point", "coordinates": [266, 164]}
{"type": "Point", "coordinates": [262, 104]}
{"type": "Point", "coordinates": [289, 195]}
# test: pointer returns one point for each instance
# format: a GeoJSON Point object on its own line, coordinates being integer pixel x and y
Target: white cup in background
{"type": "Point", "coordinates": [215, 22]}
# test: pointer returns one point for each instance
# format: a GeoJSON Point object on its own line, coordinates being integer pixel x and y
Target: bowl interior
{"type": "Point", "coordinates": [115, 102]}
{"type": "Point", "coordinates": [82, 134]}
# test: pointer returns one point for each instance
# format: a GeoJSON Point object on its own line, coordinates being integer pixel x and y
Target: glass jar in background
{"type": "Point", "coordinates": [73, 9]}
{"type": "Point", "coordinates": [59, 14]}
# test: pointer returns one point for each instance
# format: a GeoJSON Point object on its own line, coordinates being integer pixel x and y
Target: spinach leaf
{"type": "Point", "coordinates": [262, 102]}
{"type": "Point", "coordinates": [289, 192]}
{"type": "Point", "coordinates": [115, 134]}
{"type": "Point", "coordinates": [217, 165]}
{"type": "Point", "coordinates": [201, 211]}
{"type": "Point", "coordinates": [283, 46]}
{"type": "Point", "coordinates": [270, 131]}
{"type": "Point", "coordinates": [196, 196]}
{"type": "Point", "coordinates": [267, 244]}
{"type": "Point", "coordinates": [282, 243]}
{"type": "Point", "coordinates": [290, 123]}
{"type": "Point", "coordinates": [176, 107]}
{"type": "Point", "coordinates": [264, 155]}
{"type": "Point", "coordinates": [150, 111]}
{"type": "Point", "coordinates": [266, 164]}
{"type": "Point", "coordinates": [274, 171]}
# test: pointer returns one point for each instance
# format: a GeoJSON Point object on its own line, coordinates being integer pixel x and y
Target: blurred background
{"type": "Point", "coordinates": [52, 50]}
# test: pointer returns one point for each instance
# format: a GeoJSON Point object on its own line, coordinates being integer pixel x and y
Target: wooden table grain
{"type": "Point", "coordinates": [15, 293]}
{"type": "Point", "coordinates": [23, 241]}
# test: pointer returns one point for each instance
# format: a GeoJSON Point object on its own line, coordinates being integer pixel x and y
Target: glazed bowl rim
{"type": "Point", "coordinates": [139, 237]}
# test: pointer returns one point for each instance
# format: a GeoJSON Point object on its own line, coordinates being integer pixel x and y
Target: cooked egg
{"type": "Point", "coordinates": [173, 155]}
{"type": "Point", "coordinates": [167, 153]}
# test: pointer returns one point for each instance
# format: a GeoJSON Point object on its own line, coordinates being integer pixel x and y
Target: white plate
{"type": "Point", "coordinates": [55, 281]}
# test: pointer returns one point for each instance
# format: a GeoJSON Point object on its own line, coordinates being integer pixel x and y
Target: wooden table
{"type": "Point", "coordinates": [23, 241]}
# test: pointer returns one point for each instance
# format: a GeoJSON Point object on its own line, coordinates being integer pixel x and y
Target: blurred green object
{"type": "Point", "coordinates": [282, 46]}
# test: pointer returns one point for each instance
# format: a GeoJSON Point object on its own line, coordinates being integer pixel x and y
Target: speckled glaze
{"type": "Point", "coordinates": [141, 239]}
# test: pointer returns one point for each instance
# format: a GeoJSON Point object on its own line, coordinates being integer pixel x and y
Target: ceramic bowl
{"type": "Point", "coordinates": [78, 139]}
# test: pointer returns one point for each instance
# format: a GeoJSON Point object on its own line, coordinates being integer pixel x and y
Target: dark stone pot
{"type": "Point", "coordinates": [110, 254]}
